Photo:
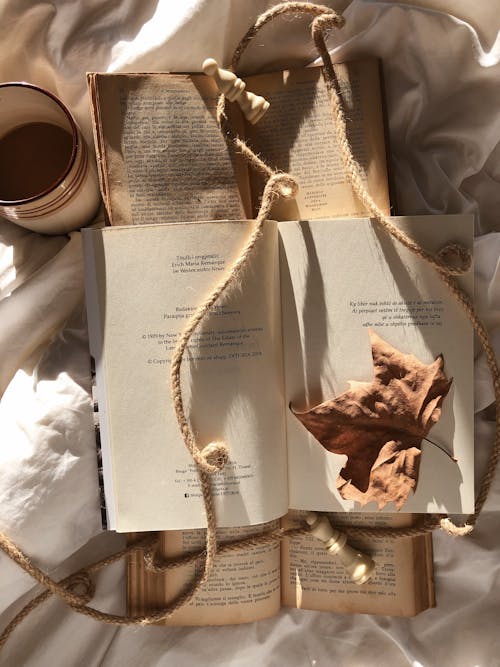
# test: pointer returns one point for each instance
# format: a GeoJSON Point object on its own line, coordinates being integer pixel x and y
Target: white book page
{"type": "Point", "coordinates": [151, 279]}
{"type": "Point", "coordinates": [338, 279]}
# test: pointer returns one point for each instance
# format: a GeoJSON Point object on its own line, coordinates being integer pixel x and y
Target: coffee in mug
{"type": "Point", "coordinates": [48, 181]}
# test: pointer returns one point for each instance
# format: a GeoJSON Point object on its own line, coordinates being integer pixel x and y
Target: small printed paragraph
{"type": "Point", "coordinates": [418, 313]}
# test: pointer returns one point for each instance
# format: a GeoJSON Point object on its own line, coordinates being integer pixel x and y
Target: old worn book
{"type": "Point", "coordinates": [254, 584]}
{"type": "Point", "coordinates": [162, 157]}
{"type": "Point", "coordinates": [294, 332]}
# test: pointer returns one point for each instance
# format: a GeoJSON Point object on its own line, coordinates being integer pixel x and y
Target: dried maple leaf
{"type": "Point", "coordinates": [379, 425]}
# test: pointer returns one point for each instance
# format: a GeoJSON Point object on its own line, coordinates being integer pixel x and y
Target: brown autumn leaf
{"type": "Point", "coordinates": [380, 425]}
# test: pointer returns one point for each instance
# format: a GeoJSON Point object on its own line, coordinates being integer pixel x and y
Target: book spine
{"type": "Point", "coordinates": [97, 436]}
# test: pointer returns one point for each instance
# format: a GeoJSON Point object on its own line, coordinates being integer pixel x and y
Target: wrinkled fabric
{"type": "Point", "coordinates": [441, 68]}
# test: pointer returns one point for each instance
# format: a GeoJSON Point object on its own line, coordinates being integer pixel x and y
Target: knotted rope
{"type": "Point", "coordinates": [214, 456]}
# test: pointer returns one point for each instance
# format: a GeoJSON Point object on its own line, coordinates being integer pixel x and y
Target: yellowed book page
{"type": "Point", "coordinates": [340, 280]}
{"type": "Point", "coordinates": [400, 586]}
{"type": "Point", "coordinates": [297, 136]}
{"type": "Point", "coordinates": [163, 153]}
{"type": "Point", "coordinates": [243, 587]}
{"type": "Point", "coordinates": [95, 110]}
{"type": "Point", "coordinates": [148, 280]}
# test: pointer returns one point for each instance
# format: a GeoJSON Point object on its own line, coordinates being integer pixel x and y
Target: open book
{"type": "Point", "coordinates": [255, 583]}
{"type": "Point", "coordinates": [162, 158]}
{"type": "Point", "coordinates": [301, 325]}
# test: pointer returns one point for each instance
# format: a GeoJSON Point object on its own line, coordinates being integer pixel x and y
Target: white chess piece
{"type": "Point", "coordinates": [253, 106]}
{"type": "Point", "coordinates": [227, 82]}
{"type": "Point", "coordinates": [359, 566]}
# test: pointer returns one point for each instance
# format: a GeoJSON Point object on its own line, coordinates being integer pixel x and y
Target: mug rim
{"type": "Point", "coordinates": [74, 147]}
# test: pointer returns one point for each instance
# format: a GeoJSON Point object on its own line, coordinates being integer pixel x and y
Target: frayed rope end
{"type": "Point", "coordinates": [456, 531]}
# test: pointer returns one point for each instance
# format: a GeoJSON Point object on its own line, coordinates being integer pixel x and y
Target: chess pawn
{"type": "Point", "coordinates": [227, 82]}
{"type": "Point", "coordinates": [252, 106]}
{"type": "Point", "coordinates": [359, 566]}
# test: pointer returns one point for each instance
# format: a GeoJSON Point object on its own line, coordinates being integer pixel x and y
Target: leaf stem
{"type": "Point", "coordinates": [442, 449]}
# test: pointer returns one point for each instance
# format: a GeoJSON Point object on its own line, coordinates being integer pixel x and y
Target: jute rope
{"type": "Point", "coordinates": [77, 589]}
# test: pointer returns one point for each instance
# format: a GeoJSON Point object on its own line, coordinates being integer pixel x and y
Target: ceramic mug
{"type": "Point", "coordinates": [48, 180]}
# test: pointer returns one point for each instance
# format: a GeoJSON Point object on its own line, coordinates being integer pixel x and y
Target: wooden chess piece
{"type": "Point", "coordinates": [253, 106]}
{"type": "Point", "coordinates": [359, 566]}
{"type": "Point", "coordinates": [227, 82]}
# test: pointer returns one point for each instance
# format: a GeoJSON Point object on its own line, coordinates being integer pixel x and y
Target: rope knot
{"type": "Point", "coordinates": [457, 260]}
{"type": "Point", "coordinates": [281, 185]}
{"type": "Point", "coordinates": [215, 455]}
{"type": "Point", "coordinates": [82, 585]}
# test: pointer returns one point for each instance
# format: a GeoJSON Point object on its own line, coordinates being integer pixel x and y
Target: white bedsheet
{"type": "Point", "coordinates": [441, 63]}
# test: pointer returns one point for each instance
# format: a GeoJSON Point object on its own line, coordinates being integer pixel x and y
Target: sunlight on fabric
{"type": "Point", "coordinates": [488, 59]}
{"type": "Point", "coordinates": [165, 22]}
{"type": "Point", "coordinates": [23, 449]}
{"type": "Point", "coordinates": [7, 268]}
{"type": "Point", "coordinates": [485, 58]}
{"type": "Point", "coordinates": [17, 443]}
